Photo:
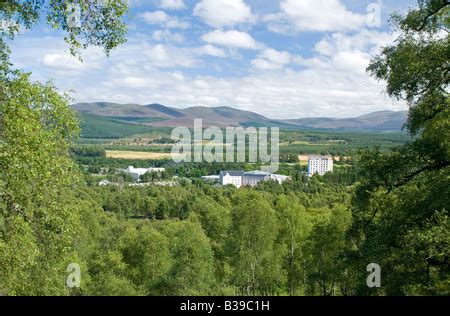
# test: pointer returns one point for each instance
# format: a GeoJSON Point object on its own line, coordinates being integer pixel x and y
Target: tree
{"type": "Point", "coordinates": [216, 220]}
{"type": "Point", "coordinates": [146, 252]}
{"type": "Point", "coordinates": [86, 23]}
{"type": "Point", "coordinates": [38, 175]}
{"type": "Point", "coordinates": [37, 126]}
{"type": "Point", "coordinates": [110, 277]}
{"type": "Point", "coordinates": [192, 272]}
{"type": "Point", "coordinates": [295, 225]}
{"type": "Point", "coordinates": [322, 252]}
{"type": "Point", "coordinates": [401, 206]}
{"type": "Point", "coordinates": [255, 257]}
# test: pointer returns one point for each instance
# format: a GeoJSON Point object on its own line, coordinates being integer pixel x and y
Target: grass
{"type": "Point", "coordinates": [125, 154]}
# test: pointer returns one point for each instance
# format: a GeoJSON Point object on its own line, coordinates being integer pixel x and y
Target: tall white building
{"type": "Point", "coordinates": [320, 165]}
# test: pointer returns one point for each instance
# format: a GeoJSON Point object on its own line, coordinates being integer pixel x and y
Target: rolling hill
{"type": "Point", "coordinates": [139, 117]}
{"type": "Point", "coordinates": [160, 115]}
{"type": "Point", "coordinates": [377, 121]}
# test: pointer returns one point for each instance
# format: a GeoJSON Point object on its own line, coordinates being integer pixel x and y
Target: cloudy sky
{"type": "Point", "coordinates": [280, 58]}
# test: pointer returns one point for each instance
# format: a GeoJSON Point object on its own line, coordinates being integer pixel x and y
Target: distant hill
{"type": "Point", "coordinates": [160, 115]}
{"type": "Point", "coordinates": [127, 110]}
{"type": "Point", "coordinates": [377, 121]}
{"type": "Point", "coordinates": [139, 116]}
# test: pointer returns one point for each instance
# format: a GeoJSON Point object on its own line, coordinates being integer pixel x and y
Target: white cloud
{"type": "Point", "coordinates": [233, 38]}
{"type": "Point", "coordinates": [365, 40]}
{"type": "Point", "coordinates": [156, 17]}
{"type": "Point", "coordinates": [167, 57]}
{"type": "Point", "coordinates": [331, 82]}
{"type": "Point", "coordinates": [135, 82]}
{"type": "Point", "coordinates": [221, 13]}
{"type": "Point", "coordinates": [175, 23]}
{"type": "Point", "coordinates": [163, 19]}
{"type": "Point", "coordinates": [167, 36]}
{"type": "Point", "coordinates": [270, 59]}
{"type": "Point", "coordinates": [62, 61]}
{"type": "Point", "coordinates": [211, 50]}
{"type": "Point", "coordinates": [56, 59]}
{"type": "Point", "coordinates": [314, 15]}
{"type": "Point", "coordinates": [172, 4]}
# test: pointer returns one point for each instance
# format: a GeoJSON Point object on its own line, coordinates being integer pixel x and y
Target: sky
{"type": "Point", "coordinates": [280, 58]}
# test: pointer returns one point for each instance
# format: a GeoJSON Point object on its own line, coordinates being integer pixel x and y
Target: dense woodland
{"type": "Point", "coordinates": [306, 237]}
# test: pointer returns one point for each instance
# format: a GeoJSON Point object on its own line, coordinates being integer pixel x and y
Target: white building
{"type": "Point", "coordinates": [320, 165]}
{"type": "Point", "coordinates": [231, 177]}
{"type": "Point", "coordinates": [137, 173]}
{"type": "Point", "coordinates": [252, 178]}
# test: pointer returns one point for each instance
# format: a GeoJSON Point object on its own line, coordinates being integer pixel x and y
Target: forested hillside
{"type": "Point", "coordinates": [94, 127]}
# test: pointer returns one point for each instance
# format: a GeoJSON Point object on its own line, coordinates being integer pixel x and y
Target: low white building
{"type": "Point", "coordinates": [252, 178]}
{"type": "Point", "coordinates": [137, 173]}
{"type": "Point", "coordinates": [320, 165]}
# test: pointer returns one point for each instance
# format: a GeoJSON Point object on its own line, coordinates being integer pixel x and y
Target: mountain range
{"type": "Point", "coordinates": [163, 116]}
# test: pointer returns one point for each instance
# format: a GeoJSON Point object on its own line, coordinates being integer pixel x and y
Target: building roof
{"type": "Point", "coordinates": [280, 176]}
{"type": "Point", "coordinates": [256, 173]}
{"type": "Point", "coordinates": [142, 171]}
{"type": "Point", "coordinates": [232, 173]}
{"type": "Point", "coordinates": [210, 177]}
{"type": "Point", "coordinates": [139, 171]}
{"type": "Point", "coordinates": [320, 157]}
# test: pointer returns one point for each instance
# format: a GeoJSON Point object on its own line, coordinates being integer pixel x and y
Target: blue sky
{"type": "Point", "coordinates": [280, 58]}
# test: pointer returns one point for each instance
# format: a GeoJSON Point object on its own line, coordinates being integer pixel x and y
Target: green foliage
{"type": "Point", "coordinates": [401, 205]}
{"type": "Point", "coordinates": [322, 252]}
{"type": "Point", "coordinates": [17, 278]}
{"type": "Point", "coordinates": [100, 24]}
{"type": "Point", "coordinates": [37, 172]}
{"type": "Point", "coordinates": [192, 270]}
{"type": "Point", "coordinates": [40, 211]}
{"type": "Point", "coordinates": [94, 126]}
{"type": "Point", "coordinates": [146, 253]}
{"type": "Point", "coordinates": [88, 151]}
{"type": "Point", "coordinates": [255, 256]}
{"type": "Point", "coordinates": [296, 225]}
